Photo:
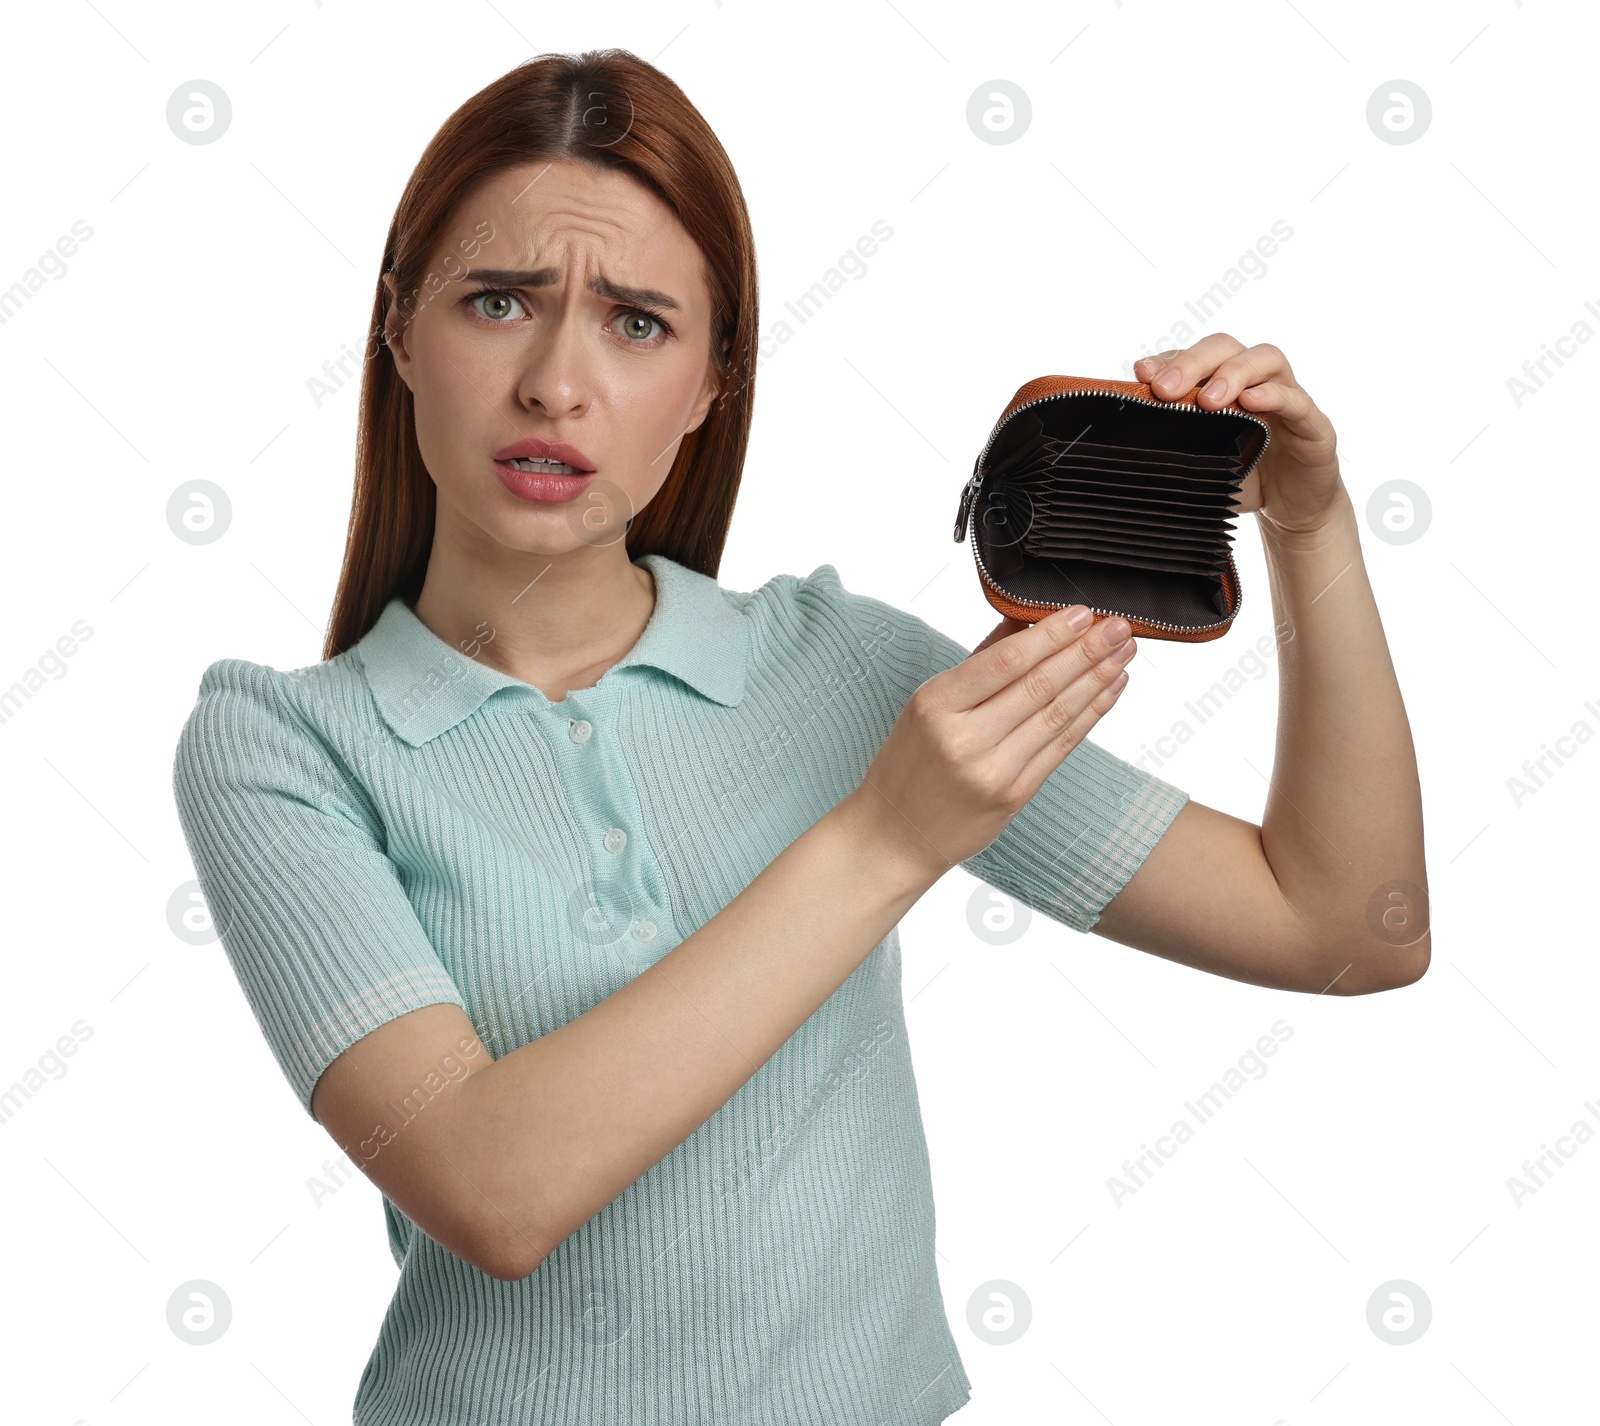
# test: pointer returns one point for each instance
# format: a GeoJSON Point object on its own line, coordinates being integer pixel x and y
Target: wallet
{"type": "Point", "coordinates": [1093, 491]}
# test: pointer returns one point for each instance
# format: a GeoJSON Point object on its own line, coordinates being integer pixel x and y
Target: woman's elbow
{"type": "Point", "coordinates": [1361, 971]}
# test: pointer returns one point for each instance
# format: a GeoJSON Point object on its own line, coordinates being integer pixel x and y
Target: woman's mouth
{"type": "Point", "coordinates": [551, 481]}
{"type": "Point", "coordinates": [546, 467]}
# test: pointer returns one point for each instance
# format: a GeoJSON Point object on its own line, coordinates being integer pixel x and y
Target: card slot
{"type": "Point", "coordinates": [1124, 461]}
{"type": "Point", "coordinates": [1026, 452]}
{"type": "Point", "coordinates": [1207, 503]}
{"type": "Point", "coordinates": [1042, 472]}
{"type": "Point", "coordinates": [1151, 482]}
{"type": "Point", "coordinates": [1221, 501]}
{"type": "Point", "coordinates": [1133, 519]}
{"type": "Point", "coordinates": [1149, 513]}
{"type": "Point", "coordinates": [1049, 538]}
{"type": "Point", "coordinates": [1177, 536]}
{"type": "Point", "coordinates": [1030, 431]}
{"type": "Point", "coordinates": [1185, 600]}
{"type": "Point", "coordinates": [1139, 560]}
{"type": "Point", "coordinates": [1133, 562]}
{"type": "Point", "coordinates": [1157, 535]}
{"type": "Point", "coordinates": [1128, 523]}
{"type": "Point", "coordinates": [1047, 447]}
{"type": "Point", "coordinates": [1144, 533]}
{"type": "Point", "coordinates": [1179, 454]}
{"type": "Point", "coordinates": [1148, 559]}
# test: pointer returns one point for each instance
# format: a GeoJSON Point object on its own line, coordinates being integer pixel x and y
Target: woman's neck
{"type": "Point", "coordinates": [556, 622]}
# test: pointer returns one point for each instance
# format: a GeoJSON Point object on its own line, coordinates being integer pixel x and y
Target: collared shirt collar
{"type": "Point", "coordinates": [423, 686]}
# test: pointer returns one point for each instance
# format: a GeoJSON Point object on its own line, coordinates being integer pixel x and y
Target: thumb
{"type": "Point", "coordinates": [1005, 627]}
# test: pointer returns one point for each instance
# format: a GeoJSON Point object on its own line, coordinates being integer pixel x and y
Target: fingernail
{"type": "Point", "coordinates": [1117, 630]}
{"type": "Point", "coordinates": [1217, 390]}
{"type": "Point", "coordinates": [1079, 617]}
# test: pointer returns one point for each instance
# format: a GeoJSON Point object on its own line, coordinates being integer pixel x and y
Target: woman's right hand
{"type": "Point", "coordinates": [975, 742]}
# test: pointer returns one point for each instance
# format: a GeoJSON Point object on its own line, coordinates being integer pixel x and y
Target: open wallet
{"type": "Point", "coordinates": [1096, 492]}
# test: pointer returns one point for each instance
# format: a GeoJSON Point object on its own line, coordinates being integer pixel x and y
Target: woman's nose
{"type": "Point", "coordinates": [556, 366]}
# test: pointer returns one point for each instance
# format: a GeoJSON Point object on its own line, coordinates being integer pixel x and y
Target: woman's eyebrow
{"type": "Point", "coordinates": [549, 276]}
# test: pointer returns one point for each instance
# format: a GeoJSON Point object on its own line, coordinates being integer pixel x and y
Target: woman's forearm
{"type": "Point", "coordinates": [1342, 828]}
{"type": "Point", "coordinates": [561, 1125]}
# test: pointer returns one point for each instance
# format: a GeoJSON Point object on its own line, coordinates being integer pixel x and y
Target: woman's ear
{"type": "Point", "coordinates": [719, 383]}
{"type": "Point", "coordinates": [708, 393]}
{"type": "Point", "coordinates": [394, 330]}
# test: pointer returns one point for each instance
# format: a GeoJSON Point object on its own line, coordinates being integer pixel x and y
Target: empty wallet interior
{"type": "Point", "coordinates": [1112, 503]}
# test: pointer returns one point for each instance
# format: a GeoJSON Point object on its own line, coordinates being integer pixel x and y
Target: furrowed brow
{"type": "Point", "coordinates": [600, 286]}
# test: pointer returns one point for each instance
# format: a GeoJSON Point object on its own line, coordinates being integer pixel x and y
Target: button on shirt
{"type": "Point", "coordinates": [403, 825]}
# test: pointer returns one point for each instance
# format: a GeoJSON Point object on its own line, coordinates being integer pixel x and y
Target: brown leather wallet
{"type": "Point", "coordinates": [1094, 491]}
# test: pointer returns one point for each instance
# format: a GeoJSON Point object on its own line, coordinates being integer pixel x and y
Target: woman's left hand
{"type": "Point", "coordinates": [1295, 486]}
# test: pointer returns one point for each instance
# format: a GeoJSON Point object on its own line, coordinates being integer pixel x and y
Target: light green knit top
{"type": "Point", "coordinates": [404, 825]}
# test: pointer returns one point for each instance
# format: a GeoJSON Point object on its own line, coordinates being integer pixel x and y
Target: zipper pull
{"type": "Point", "coordinates": [969, 492]}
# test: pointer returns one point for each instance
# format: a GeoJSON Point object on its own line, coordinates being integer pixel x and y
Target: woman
{"type": "Point", "coordinates": [565, 888]}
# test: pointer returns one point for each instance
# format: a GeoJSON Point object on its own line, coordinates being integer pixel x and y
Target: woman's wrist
{"type": "Point", "coordinates": [904, 864]}
{"type": "Point", "coordinates": [1340, 527]}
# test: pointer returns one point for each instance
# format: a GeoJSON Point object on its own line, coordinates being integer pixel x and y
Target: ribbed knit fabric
{"type": "Point", "coordinates": [404, 825]}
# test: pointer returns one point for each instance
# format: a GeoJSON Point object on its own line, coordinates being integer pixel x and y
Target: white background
{"type": "Point", "coordinates": [1165, 140]}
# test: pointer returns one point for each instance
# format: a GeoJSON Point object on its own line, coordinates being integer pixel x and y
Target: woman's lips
{"type": "Point", "coordinates": [544, 486]}
{"type": "Point", "coordinates": [537, 448]}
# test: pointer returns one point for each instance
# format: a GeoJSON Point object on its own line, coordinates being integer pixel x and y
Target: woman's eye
{"type": "Point", "coordinates": [496, 305]}
{"type": "Point", "coordinates": [500, 308]}
{"type": "Point", "coordinates": [636, 327]}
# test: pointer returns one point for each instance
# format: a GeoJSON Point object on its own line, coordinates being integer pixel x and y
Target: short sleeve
{"type": "Point", "coordinates": [309, 908]}
{"type": "Point", "coordinates": [1087, 829]}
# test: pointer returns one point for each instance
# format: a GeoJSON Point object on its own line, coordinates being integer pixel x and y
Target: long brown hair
{"type": "Point", "coordinates": [611, 110]}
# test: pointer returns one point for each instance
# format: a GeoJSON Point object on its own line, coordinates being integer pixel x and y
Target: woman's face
{"type": "Point", "coordinates": [523, 345]}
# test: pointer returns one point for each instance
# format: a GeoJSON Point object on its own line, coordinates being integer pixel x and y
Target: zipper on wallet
{"type": "Point", "coordinates": [969, 493]}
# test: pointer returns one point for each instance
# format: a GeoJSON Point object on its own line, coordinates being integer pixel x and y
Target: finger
{"type": "Point", "coordinates": [1032, 693]}
{"type": "Point", "coordinates": [1300, 415]}
{"type": "Point", "coordinates": [1147, 369]}
{"type": "Point", "coordinates": [1101, 689]}
{"type": "Point", "coordinates": [1248, 368]}
{"type": "Point", "coordinates": [1186, 369]}
{"type": "Point", "coordinates": [1003, 629]}
{"type": "Point", "coordinates": [982, 674]}
{"type": "Point", "coordinates": [1175, 373]}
